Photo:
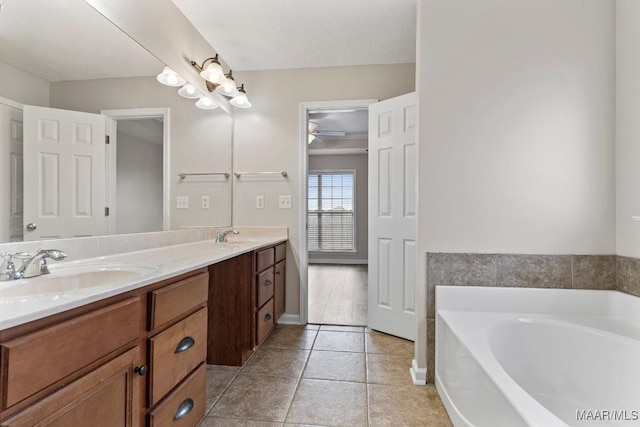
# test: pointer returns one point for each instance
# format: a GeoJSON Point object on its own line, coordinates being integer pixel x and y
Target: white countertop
{"type": "Point", "coordinates": [159, 264]}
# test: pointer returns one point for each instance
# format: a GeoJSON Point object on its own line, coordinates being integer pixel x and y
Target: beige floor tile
{"type": "Point", "coordinates": [414, 406]}
{"type": "Point", "coordinates": [377, 342]}
{"type": "Point", "coordinates": [340, 328]}
{"type": "Point", "coordinates": [235, 422]}
{"type": "Point", "coordinates": [217, 381]}
{"type": "Point", "coordinates": [260, 397]}
{"type": "Point", "coordinates": [223, 368]}
{"type": "Point", "coordinates": [311, 326]}
{"type": "Point", "coordinates": [389, 369]}
{"type": "Point", "coordinates": [291, 337]}
{"type": "Point", "coordinates": [339, 341]}
{"type": "Point", "coordinates": [336, 365]}
{"type": "Point", "coordinates": [329, 403]}
{"type": "Point", "coordinates": [277, 361]}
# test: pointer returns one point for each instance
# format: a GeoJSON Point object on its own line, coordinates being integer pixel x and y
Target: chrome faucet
{"type": "Point", "coordinates": [32, 265]}
{"type": "Point", "coordinates": [221, 236]}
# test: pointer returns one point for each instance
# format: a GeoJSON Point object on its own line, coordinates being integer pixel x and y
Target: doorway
{"type": "Point", "coordinates": [335, 164]}
{"type": "Point", "coordinates": [138, 169]}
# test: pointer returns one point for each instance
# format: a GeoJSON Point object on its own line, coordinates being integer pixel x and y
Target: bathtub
{"type": "Point", "coordinates": [538, 357]}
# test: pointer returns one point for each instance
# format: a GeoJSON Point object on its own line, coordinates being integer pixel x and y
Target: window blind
{"type": "Point", "coordinates": [331, 221]}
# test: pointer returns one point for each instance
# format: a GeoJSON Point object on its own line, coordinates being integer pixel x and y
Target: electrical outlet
{"type": "Point", "coordinates": [182, 202]}
{"type": "Point", "coordinates": [284, 202]}
{"type": "Point", "coordinates": [259, 202]}
{"type": "Point", "coordinates": [205, 202]}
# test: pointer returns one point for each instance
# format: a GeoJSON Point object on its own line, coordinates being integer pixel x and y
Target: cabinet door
{"type": "Point", "coordinates": [106, 397]}
{"type": "Point", "coordinates": [280, 293]}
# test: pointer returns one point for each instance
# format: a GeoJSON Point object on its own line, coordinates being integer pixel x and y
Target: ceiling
{"type": "Point", "coordinates": [355, 123]}
{"type": "Point", "coordinates": [148, 130]}
{"type": "Point", "coordinates": [283, 34]}
{"type": "Point", "coordinates": [59, 40]}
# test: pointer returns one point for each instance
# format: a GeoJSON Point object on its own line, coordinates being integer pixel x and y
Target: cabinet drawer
{"type": "Point", "coordinates": [186, 403]}
{"type": "Point", "coordinates": [175, 352]}
{"type": "Point", "coordinates": [174, 300]}
{"type": "Point", "coordinates": [264, 258]}
{"type": "Point", "coordinates": [281, 252]}
{"type": "Point", "coordinates": [280, 289]}
{"type": "Point", "coordinates": [105, 397]}
{"type": "Point", "coordinates": [265, 286]}
{"type": "Point", "coordinates": [264, 321]}
{"type": "Point", "coordinates": [38, 360]}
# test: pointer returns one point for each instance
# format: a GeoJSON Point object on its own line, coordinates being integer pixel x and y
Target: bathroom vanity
{"type": "Point", "coordinates": [134, 353]}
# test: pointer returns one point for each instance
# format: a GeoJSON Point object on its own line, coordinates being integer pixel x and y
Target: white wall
{"type": "Point", "coordinates": [517, 126]}
{"type": "Point", "coordinates": [359, 163]}
{"type": "Point", "coordinates": [628, 127]}
{"type": "Point", "coordinates": [267, 138]}
{"type": "Point", "coordinates": [138, 185]}
{"type": "Point", "coordinates": [22, 87]}
{"type": "Point", "coordinates": [200, 139]}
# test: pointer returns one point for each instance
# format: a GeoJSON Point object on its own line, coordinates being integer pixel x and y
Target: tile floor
{"type": "Point", "coordinates": [323, 376]}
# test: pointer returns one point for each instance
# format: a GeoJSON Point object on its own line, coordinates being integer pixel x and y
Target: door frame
{"type": "Point", "coordinates": [138, 114]}
{"type": "Point", "coordinates": [305, 107]}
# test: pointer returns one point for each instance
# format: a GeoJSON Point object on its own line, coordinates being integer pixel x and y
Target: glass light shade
{"type": "Point", "coordinates": [213, 73]}
{"type": "Point", "coordinates": [310, 138]}
{"type": "Point", "coordinates": [189, 92]}
{"type": "Point", "coordinates": [228, 88]}
{"type": "Point", "coordinates": [168, 77]}
{"type": "Point", "coordinates": [206, 103]}
{"type": "Point", "coordinates": [240, 100]}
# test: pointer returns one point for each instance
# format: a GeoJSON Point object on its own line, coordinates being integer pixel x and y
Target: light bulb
{"type": "Point", "coordinates": [189, 92]}
{"type": "Point", "coordinates": [206, 103]}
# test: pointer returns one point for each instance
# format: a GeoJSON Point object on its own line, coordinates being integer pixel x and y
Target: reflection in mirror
{"type": "Point", "coordinates": [79, 61]}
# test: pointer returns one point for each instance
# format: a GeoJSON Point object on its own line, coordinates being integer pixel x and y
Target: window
{"type": "Point", "coordinates": [330, 206]}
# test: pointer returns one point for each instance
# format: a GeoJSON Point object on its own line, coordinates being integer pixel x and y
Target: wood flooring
{"type": "Point", "coordinates": [338, 294]}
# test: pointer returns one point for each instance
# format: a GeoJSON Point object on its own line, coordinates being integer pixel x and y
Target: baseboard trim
{"type": "Point", "coordinates": [289, 319]}
{"type": "Point", "coordinates": [338, 261]}
{"type": "Point", "coordinates": [418, 375]}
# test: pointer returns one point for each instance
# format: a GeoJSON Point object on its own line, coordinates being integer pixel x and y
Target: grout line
{"type": "Point", "coordinates": [293, 396]}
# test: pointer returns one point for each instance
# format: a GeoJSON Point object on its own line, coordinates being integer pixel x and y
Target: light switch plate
{"type": "Point", "coordinates": [259, 202]}
{"type": "Point", "coordinates": [182, 202]}
{"type": "Point", "coordinates": [205, 202]}
{"type": "Point", "coordinates": [284, 202]}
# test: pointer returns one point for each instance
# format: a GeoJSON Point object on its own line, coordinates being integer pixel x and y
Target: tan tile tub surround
{"type": "Point", "coordinates": [531, 271]}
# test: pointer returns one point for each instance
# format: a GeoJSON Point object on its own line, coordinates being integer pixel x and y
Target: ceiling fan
{"type": "Point", "coordinates": [315, 133]}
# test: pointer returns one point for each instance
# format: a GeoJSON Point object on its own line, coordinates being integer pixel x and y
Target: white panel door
{"type": "Point", "coordinates": [64, 174]}
{"type": "Point", "coordinates": [392, 216]}
{"type": "Point", "coordinates": [11, 182]}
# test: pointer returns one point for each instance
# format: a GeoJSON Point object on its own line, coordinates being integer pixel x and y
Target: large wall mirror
{"type": "Point", "coordinates": [63, 55]}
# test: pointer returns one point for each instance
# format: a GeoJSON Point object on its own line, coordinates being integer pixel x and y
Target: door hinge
{"type": "Point", "coordinates": [106, 211]}
{"type": "Point", "coordinates": [107, 139]}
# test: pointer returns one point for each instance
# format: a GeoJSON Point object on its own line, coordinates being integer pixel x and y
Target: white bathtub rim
{"type": "Point", "coordinates": [456, 417]}
{"type": "Point", "coordinates": [530, 410]}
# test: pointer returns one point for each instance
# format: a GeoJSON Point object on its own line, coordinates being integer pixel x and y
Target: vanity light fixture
{"type": "Point", "coordinates": [240, 100]}
{"type": "Point", "coordinates": [215, 79]}
{"type": "Point", "coordinates": [189, 92]}
{"type": "Point", "coordinates": [169, 77]}
{"type": "Point", "coordinates": [206, 103]}
{"type": "Point", "coordinates": [212, 73]}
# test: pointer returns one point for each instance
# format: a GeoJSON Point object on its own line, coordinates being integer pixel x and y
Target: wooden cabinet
{"type": "Point", "coordinates": [246, 298]}
{"type": "Point", "coordinates": [105, 396]}
{"type": "Point", "coordinates": [122, 361]}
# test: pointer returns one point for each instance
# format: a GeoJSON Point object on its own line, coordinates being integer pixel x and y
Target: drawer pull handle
{"type": "Point", "coordinates": [141, 370]}
{"type": "Point", "coordinates": [268, 282]}
{"type": "Point", "coordinates": [185, 344]}
{"type": "Point", "coordinates": [267, 317]}
{"type": "Point", "coordinates": [184, 409]}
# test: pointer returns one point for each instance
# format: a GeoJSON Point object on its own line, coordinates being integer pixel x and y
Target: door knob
{"type": "Point", "coordinates": [32, 226]}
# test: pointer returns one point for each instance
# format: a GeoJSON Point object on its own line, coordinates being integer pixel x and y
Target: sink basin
{"type": "Point", "coordinates": [63, 279]}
